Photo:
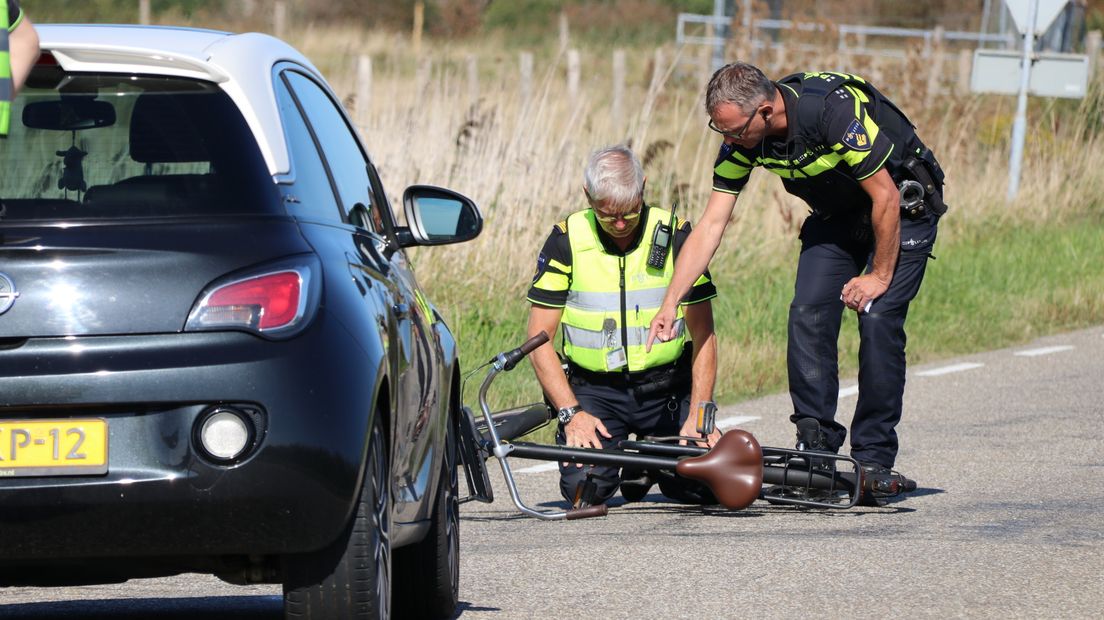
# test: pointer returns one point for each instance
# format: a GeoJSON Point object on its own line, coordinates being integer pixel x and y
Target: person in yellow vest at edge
{"type": "Point", "coordinates": [601, 277]}
{"type": "Point", "coordinates": [18, 53]}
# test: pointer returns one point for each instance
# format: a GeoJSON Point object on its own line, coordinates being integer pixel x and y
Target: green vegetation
{"type": "Point", "coordinates": [111, 11]}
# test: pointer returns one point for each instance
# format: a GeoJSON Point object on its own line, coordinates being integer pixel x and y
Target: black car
{"type": "Point", "coordinates": [214, 356]}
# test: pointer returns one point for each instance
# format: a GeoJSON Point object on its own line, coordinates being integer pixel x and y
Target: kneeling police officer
{"type": "Point", "coordinates": [601, 276]}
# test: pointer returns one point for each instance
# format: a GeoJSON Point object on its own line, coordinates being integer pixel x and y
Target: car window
{"type": "Point", "coordinates": [102, 146]}
{"type": "Point", "coordinates": [340, 148]}
{"type": "Point", "coordinates": [381, 207]}
{"type": "Point", "coordinates": [313, 190]}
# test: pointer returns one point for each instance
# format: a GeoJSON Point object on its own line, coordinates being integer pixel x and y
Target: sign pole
{"type": "Point", "coordinates": [720, 34]}
{"type": "Point", "coordinates": [1019, 125]}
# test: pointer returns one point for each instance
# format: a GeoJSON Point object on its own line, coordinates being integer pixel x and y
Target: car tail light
{"type": "Point", "coordinates": [270, 302]}
{"type": "Point", "coordinates": [46, 59]}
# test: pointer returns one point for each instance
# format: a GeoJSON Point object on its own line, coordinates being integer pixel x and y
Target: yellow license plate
{"type": "Point", "coordinates": [53, 447]}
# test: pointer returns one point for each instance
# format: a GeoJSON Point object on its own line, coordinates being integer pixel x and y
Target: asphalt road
{"type": "Point", "coordinates": [1008, 522]}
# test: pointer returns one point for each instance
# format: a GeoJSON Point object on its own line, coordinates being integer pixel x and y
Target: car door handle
{"type": "Point", "coordinates": [401, 311]}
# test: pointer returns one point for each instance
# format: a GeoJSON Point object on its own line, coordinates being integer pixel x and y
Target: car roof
{"type": "Point", "coordinates": [240, 64]}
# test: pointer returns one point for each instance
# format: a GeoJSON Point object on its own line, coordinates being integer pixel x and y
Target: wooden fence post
{"type": "Point", "coordinates": [525, 63]}
{"type": "Point", "coordinates": [658, 71]}
{"type": "Point", "coordinates": [565, 33]}
{"type": "Point", "coordinates": [1092, 48]}
{"type": "Point", "coordinates": [279, 18]}
{"type": "Point", "coordinates": [618, 87]}
{"type": "Point", "coordinates": [780, 59]}
{"type": "Point", "coordinates": [144, 12]}
{"type": "Point", "coordinates": [473, 78]}
{"type": "Point", "coordinates": [363, 89]}
{"type": "Point", "coordinates": [573, 71]}
{"type": "Point", "coordinates": [935, 66]}
{"type": "Point", "coordinates": [419, 25]}
{"type": "Point", "coordinates": [965, 69]}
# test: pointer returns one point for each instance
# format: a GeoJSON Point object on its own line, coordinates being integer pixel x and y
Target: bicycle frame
{"type": "Point", "coordinates": [735, 469]}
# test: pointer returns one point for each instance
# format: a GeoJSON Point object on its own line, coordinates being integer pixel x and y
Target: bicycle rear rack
{"type": "Point", "coordinates": [796, 477]}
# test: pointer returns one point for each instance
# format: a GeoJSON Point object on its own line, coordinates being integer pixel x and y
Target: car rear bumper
{"type": "Point", "coordinates": [161, 496]}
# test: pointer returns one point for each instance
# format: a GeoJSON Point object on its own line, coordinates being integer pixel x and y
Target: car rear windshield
{"type": "Point", "coordinates": [104, 146]}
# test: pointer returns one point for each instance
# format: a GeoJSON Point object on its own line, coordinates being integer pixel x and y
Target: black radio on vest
{"type": "Point", "coordinates": [661, 241]}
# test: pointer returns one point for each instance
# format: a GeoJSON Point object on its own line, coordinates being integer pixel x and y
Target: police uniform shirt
{"type": "Point", "coordinates": [555, 259]}
{"type": "Point", "coordinates": [825, 175]}
{"type": "Point", "coordinates": [15, 15]}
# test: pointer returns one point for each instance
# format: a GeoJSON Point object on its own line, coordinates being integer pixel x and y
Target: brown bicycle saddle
{"type": "Point", "coordinates": [733, 469]}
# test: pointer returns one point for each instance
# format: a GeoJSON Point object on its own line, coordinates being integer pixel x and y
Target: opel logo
{"type": "Point", "coordinates": [7, 293]}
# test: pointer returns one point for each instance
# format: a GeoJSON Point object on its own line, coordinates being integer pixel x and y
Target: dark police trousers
{"type": "Point", "coordinates": [831, 254]}
{"type": "Point", "coordinates": [660, 414]}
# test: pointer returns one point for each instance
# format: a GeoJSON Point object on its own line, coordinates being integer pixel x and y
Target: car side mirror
{"type": "Point", "coordinates": [438, 216]}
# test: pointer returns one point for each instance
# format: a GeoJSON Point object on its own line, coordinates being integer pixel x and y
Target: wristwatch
{"type": "Point", "coordinates": [566, 413]}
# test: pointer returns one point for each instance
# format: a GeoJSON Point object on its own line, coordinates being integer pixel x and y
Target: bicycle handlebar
{"type": "Point", "coordinates": [598, 510]}
{"type": "Point", "coordinates": [512, 358]}
{"type": "Point", "coordinates": [504, 362]}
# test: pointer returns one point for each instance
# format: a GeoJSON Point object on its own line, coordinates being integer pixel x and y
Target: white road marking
{"type": "Point", "coordinates": [946, 370]}
{"type": "Point", "coordinates": [538, 468]}
{"type": "Point", "coordinates": [1044, 350]}
{"type": "Point", "coordinates": [736, 420]}
{"type": "Point", "coordinates": [848, 391]}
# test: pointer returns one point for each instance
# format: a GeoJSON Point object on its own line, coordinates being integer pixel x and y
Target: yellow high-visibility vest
{"type": "Point", "coordinates": [5, 71]}
{"type": "Point", "coordinates": [612, 299]}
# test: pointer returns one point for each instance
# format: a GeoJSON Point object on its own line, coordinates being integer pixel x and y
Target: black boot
{"type": "Point", "coordinates": [881, 482]}
{"type": "Point", "coordinates": [635, 484]}
{"type": "Point", "coordinates": [810, 436]}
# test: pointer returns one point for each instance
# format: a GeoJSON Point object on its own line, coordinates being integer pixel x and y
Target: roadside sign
{"type": "Point", "coordinates": [1052, 74]}
{"type": "Point", "coordinates": [1047, 11]}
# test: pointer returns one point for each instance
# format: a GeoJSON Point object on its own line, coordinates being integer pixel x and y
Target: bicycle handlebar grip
{"type": "Point", "coordinates": [534, 342]}
{"type": "Point", "coordinates": [515, 356]}
{"type": "Point", "coordinates": [600, 510]}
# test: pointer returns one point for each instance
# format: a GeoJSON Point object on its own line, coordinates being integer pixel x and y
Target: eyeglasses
{"type": "Point", "coordinates": [735, 135]}
{"type": "Point", "coordinates": [610, 219]}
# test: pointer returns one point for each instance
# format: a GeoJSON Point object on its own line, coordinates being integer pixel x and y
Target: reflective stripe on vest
{"type": "Point", "coordinates": [5, 71]}
{"type": "Point", "coordinates": [580, 337]}
{"type": "Point", "coordinates": [598, 315]}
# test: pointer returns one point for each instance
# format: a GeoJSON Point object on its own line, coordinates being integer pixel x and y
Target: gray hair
{"type": "Point", "coordinates": [740, 84]}
{"type": "Point", "coordinates": [614, 177]}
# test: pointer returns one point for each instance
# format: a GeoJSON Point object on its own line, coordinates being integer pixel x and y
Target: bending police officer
{"type": "Point", "coordinates": [601, 275]}
{"type": "Point", "coordinates": [875, 192]}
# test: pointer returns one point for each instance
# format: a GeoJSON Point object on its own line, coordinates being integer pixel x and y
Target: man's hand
{"type": "Point", "coordinates": [582, 432]}
{"type": "Point", "coordinates": [862, 290]}
{"type": "Point", "coordinates": [662, 327]}
{"type": "Point", "coordinates": [690, 429]}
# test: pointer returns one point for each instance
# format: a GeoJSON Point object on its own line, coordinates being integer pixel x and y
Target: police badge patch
{"type": "Point", "coordinates": [542, 264]}
{"type": "Point", "coordinates": [856, 137]}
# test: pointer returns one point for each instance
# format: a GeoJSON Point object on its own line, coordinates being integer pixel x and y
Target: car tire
{"type": "Point", "coordinates": [351, 578]}
{"type": "Point", "coordinates": [427, 574]}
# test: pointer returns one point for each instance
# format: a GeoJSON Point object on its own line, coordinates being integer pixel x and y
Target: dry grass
{"type": "Point", "coordinates": [520, 155]}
